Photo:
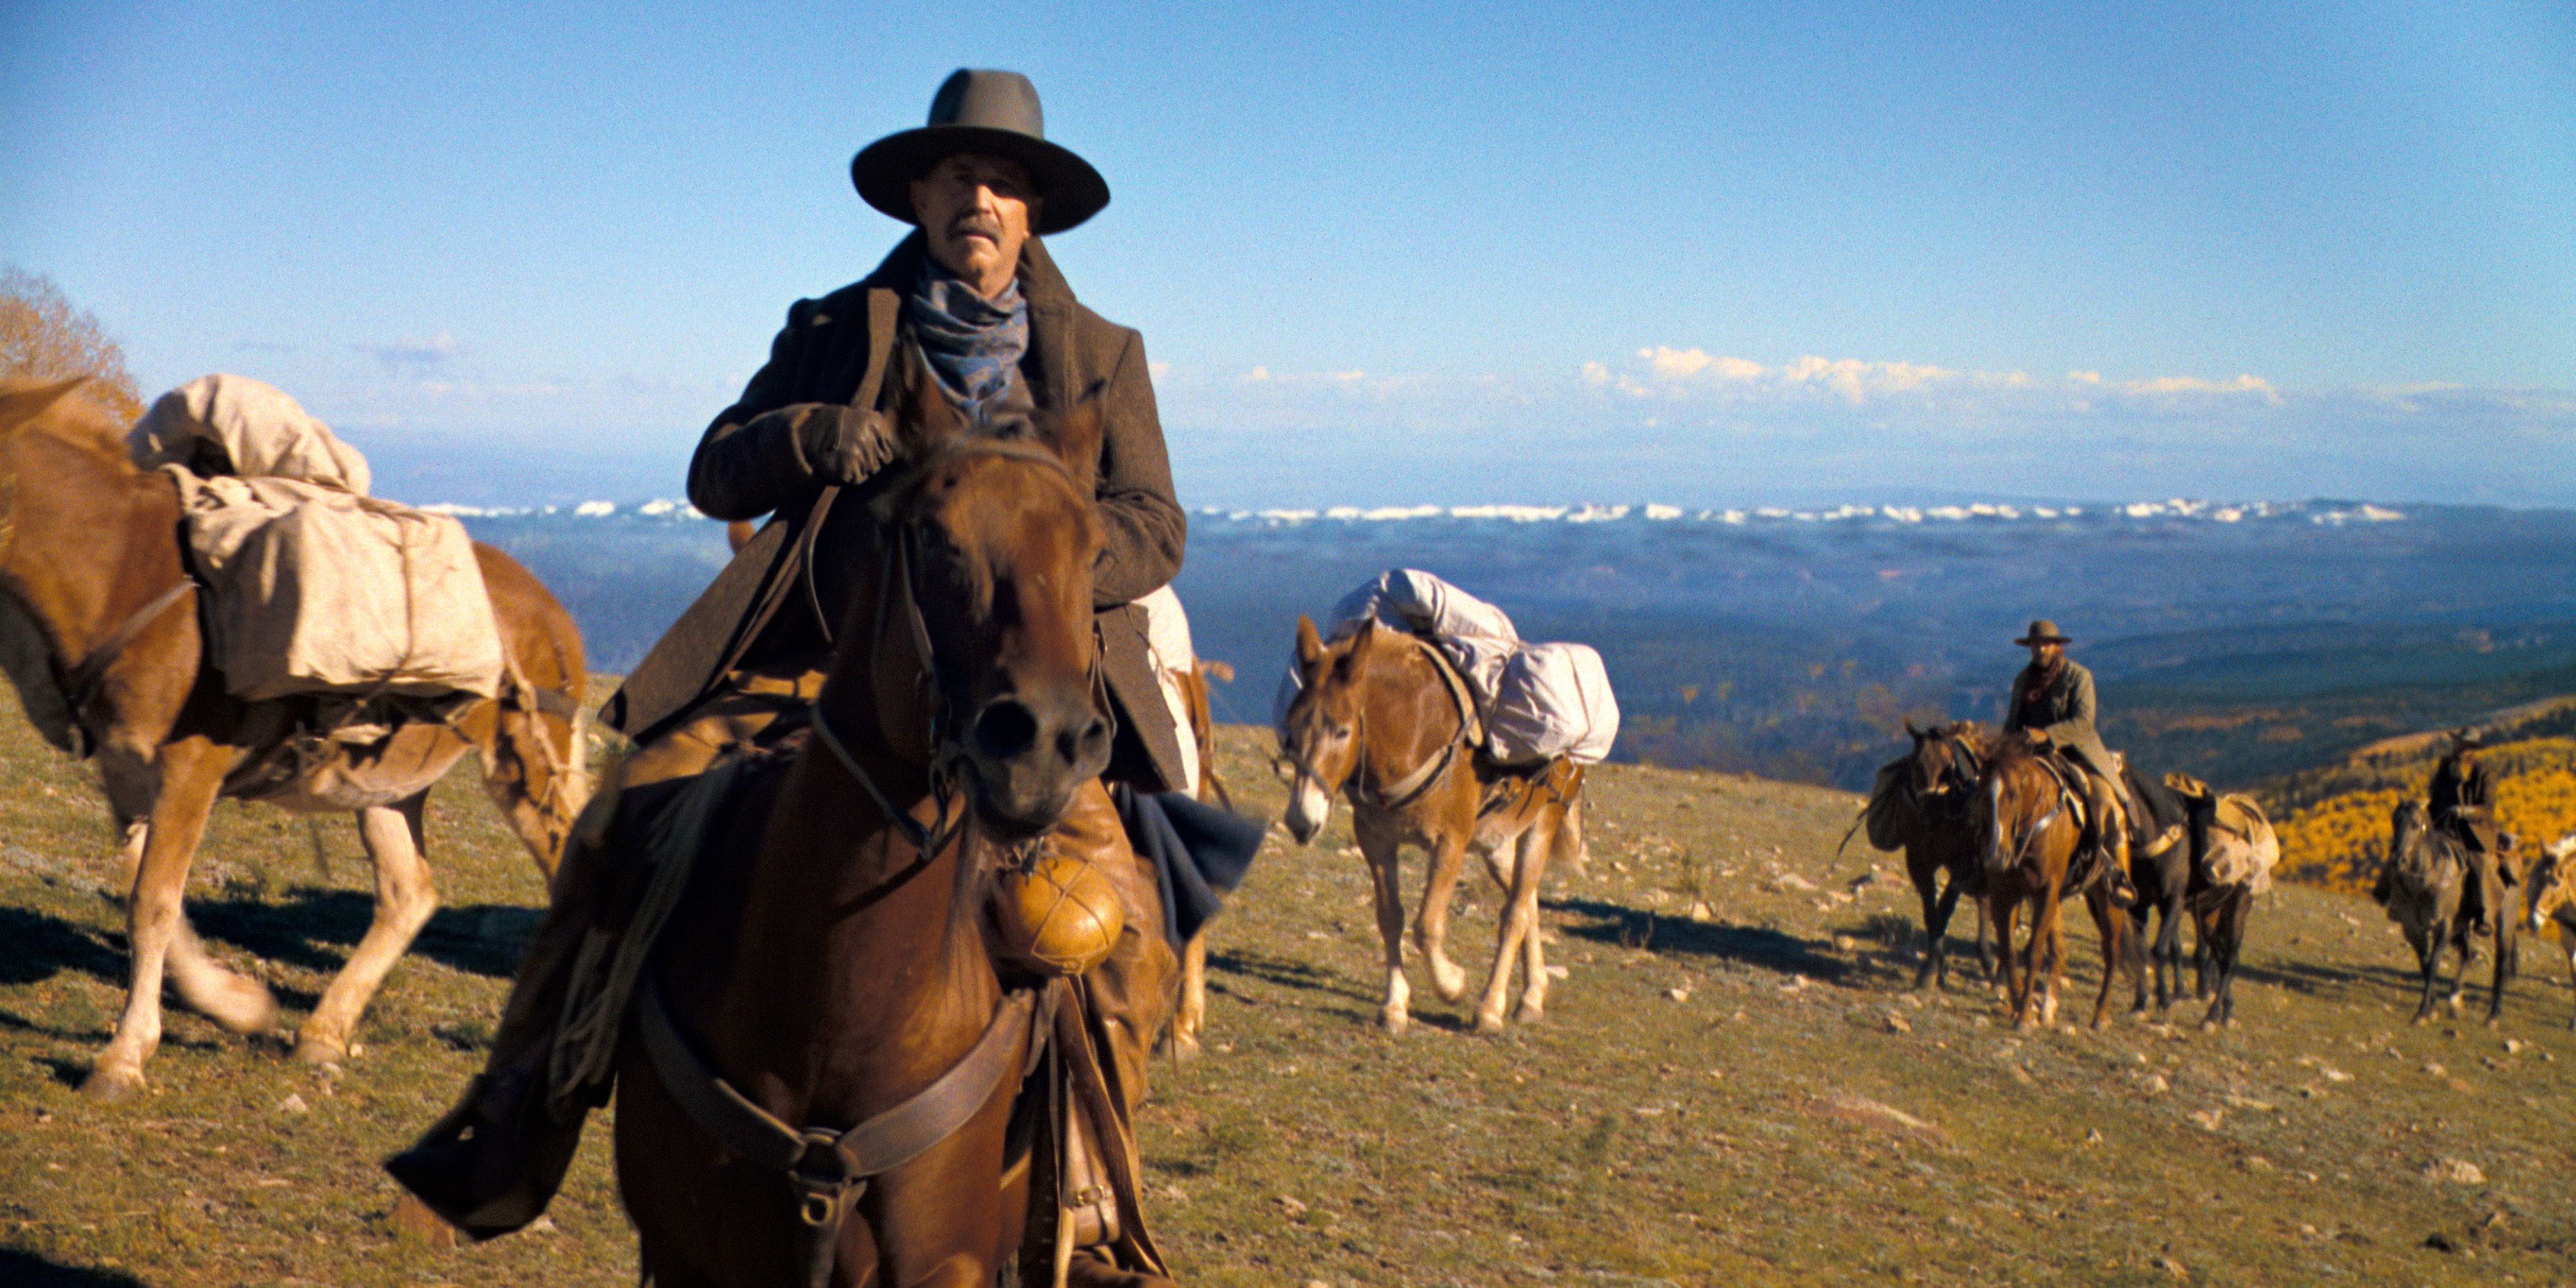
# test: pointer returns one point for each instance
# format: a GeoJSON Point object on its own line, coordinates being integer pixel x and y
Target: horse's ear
{"type": "Point", "coordinates": [1074, 436]}
{"type": "Point", "coordinates": [21, 402]}
{"type": "Point", "coordinates": [1911, 731]}
{"type": "Point", "coordinates": [925, 420]}
{"type": "Point", "coordinates": [1310, 646]}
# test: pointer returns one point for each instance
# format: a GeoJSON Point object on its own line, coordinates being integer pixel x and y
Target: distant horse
{"type": "Point", "coordinates": [849, 1118]}
{"type": "Point", "coordinates": [1189, 1018]}
{"type": "Point", "coordinates": [99, 634]}
{"type": "Point", "coordinates": [2027, 821]}
{"type": "Point", "coordinates": [2160, 866]}
{"type": "Point", "coordinates": [2552, 896]}
{"type": "Point", "coordinates": [2424, 883]}
{"type": "Point", "coordinates": [2233, 850]}
{"type": "Point", "coordinates": [1382, 721]}
{"type": "Point", "coordinates": [1919, 804]}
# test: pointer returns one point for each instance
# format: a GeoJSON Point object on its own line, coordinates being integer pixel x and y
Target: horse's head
{"type": "Point", "coordinates": [2015, 797]}
{"type": "Point", "coordinates": [1321, 736]}
{"type": "Point", "coordinates": [2552, 885]}
{"type": "Point", "coordinates": [1937, 766]}
{"type": "Point", "coordinates": [992, 542]}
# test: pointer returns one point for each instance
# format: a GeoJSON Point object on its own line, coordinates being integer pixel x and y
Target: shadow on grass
{"type": "Point", "coordinates": [312, 928]}
{"type": "Point", "coordinates": [31, 1270]}
{"type": "Point", "coordinates": [35, 947]}
{"type": "Point", "coordinates": [1283, 972]}
{"type": "Point", "coordinates": [1610, 923]}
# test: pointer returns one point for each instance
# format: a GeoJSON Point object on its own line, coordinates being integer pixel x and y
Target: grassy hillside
{"type": "Point", "coordinates": [1745, 1097]}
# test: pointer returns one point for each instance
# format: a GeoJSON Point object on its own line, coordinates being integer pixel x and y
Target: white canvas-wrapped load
{"type": "Point", "coordinates": [1167, 644]}
{"type": "Point", "coordinates": [2242, 846]}
{"type": "Point", "coordinates": [1554, 700]}
{"type": "Point", "coordinates": [1536, 701]}
{"type": "Point", "coordinates": [317, 587]}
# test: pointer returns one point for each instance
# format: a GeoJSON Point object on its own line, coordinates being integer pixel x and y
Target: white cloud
{"type": "Point", "coordinates": [413, 351]}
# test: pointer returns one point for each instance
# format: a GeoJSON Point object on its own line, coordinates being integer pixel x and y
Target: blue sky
{"type": "Point", "coordinates": [1697, 254]}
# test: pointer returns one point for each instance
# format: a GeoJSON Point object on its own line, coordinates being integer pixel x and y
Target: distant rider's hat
{"type": "Point", "coordinates": [2044, 631]}
{"type": "Point", "coordinates": [2467, 739]}
{"type": "Point", "coordinates": [989, 112]}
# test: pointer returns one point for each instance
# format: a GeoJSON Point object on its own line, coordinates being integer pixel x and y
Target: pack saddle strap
{"type": "Point", "coordinates": [1410, 788]}
{"type": "Point", "coordinates": [831, 1169]}
{"type": "Point", "coordinates": [80, 684]}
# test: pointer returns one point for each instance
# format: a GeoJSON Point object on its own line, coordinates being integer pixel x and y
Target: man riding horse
{"type": "Point", "coordinates": [2463, 805]}
{"type": "Point", "coordinates": [972, 297]}
{"type": "Point", "coordinates": [2053, 706]}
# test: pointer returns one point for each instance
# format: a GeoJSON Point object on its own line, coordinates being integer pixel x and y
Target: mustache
{"type": "Point", "coordinates": [975, 223]}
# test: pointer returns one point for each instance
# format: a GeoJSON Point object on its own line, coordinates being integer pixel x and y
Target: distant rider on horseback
{"type": "Point", "coordinates": [2463, 806]}
{"type": "Point", "coordinates": [972, 301]}
{"type": "Point", "coordinates": [2053, 706]}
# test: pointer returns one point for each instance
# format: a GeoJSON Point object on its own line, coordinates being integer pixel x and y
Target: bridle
{"type": "Point", "coordinates": [1404, 791]}
{"type": "Point", "coordinates": [942, 773]}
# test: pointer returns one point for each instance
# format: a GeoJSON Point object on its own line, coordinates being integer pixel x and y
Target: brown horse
{"type": "Point", "coordinates": [2027, 822]}
{"type": "Point", "coordinates": [834, 968]}
{"type": "Point", "coordinates": [1919, 804]}
{"type": "Point", "coordinates": [1379, 721]}
{"type": "Point", "coordinates": [1189, 1018]}
{"type": "Point", "coordinates": [96, 634]}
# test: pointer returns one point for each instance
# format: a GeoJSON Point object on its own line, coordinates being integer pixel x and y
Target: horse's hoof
{"type": "Point", "coordinates": [109, 1083]}
{"type": "Point", "coordinates": [2209, 1026]}
{"type": "Point", "coordinates": [413, 1222]}
{"type": "Point", "coordinates": [1183, 1050]}
{"type": "Point", "coordinates": [1529, 1013]}
{"type": "Point", "coordinates": [1448, 978]}
{"type": "Point", "coordinates": [1488, 1023]}
{"type": "Point", "coordinates": [320, 1050]}
{"type": "Point", "coordinates": [239, 1005]}
{"type": "Point", "coordinates": [1394, 1020]}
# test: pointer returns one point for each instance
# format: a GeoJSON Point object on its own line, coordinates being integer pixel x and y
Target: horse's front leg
{"type": "Point", "coordinates": [1431, 920]}
{"type": "Point", "coordinates": [2506, 950]}
{"type": "Point", "coordinates": [1936, 904]}
{"type": "Point", "coordinates": [1191, 1015]}
{"type": "Point", "coordinates": [1380, 851]}
{"type": "Point", "coordinates": [2464, 946]}
{"type": "Point", "coordinates": [2428, 959]}
{"type": "Point", "coordinates": [2113, 926]}
{"type": "Point", "coordinates": [1518, 925]}
{"type": "Point", "coordinates": [191, 772]}
{"type": "Point", "coordinates": [240, 1003]}
{"type": "Point", "coordinates": [2048, 935]}
{"type": "Point", "coordinates": [405, 898]}
{"type": "Point", "coordinates": [2567, 940]}
{"type": "Point", "coordinates": [2000, 915]}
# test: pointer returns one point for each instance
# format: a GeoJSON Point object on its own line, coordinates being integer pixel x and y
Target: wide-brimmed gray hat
{"type": "Point", "coordinates": [2469, 738]}
{"type": "Point", "coordinates": [994, 113]}
{"type": "Point", "coordinates": [2044, 631]}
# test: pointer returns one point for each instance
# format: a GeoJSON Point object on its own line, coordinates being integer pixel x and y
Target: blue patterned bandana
{"type": "Point", "coordinates": [972, 343]}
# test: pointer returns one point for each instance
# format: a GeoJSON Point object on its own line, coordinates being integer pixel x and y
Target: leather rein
{"type": "Point", "coordinates": [830, 1169]}
{"type": "Point", "coordinates": [80, 684]}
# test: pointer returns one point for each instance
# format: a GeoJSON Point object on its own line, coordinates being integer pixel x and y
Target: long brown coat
{"type": "Point", "coordinates": [2066, 710]}
{"type": "Point", "coordinates": [833, 356]}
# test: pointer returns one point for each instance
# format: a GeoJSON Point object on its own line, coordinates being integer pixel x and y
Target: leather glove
{"type": "Point", "coordinates": [843, 445]}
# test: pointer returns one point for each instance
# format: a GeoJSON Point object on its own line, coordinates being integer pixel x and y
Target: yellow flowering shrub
{"type": "Point", "coordinates": [2338, 840]}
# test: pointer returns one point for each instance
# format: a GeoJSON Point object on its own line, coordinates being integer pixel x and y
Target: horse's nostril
{"type": "Point", "coordinates": [1005, 730]}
